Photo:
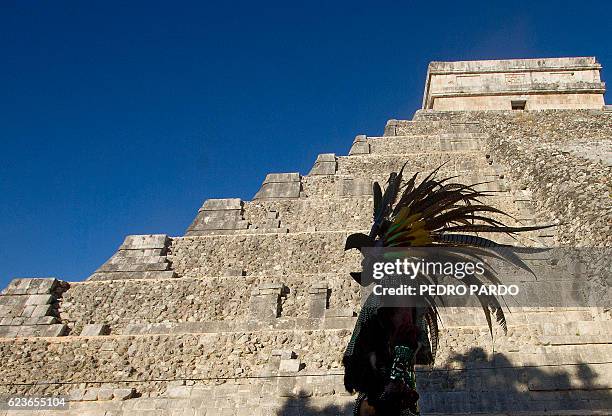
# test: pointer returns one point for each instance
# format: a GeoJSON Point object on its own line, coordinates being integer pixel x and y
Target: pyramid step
{"type": "Point", "coordinates": [224, 302]}
{"type": "Point", "coordinates": [135, 266]}
{"type": "Point", "coordinates": [134, 275]}
{"type": "Point", "coordinates": [165, 305]}
{"type": "Point", "coordinates": [334, 213]}
{"type": "Point", "coordinates": [285, 254]}
{"type": "Point", "coordinates": [569, 340]}
{"type": "Point", "coordinates": [429, 127]}
{"type": "Point", "coordinates": [337, 211]}
{"type": "Point", "coordinates": [462, 317]}
{"type": "Point", "coordinates": [449, 143]}
{"type": "Point", "coordinates": [323, 394]}
{"type": "Point", "coordinates": [381, 164]}
{"type": "Point", "coordinates": [360, 183]}
{"type": "Point", "coordinates": [562, 354]}
{"type": "Point", "coordinates": [306, 253]}
{"type": "Point", "coordinates": [548, 376]}
{"type": "Point", "coordinates": [578, 328]}
{"type": "Point", "coordinates": [139, 257]}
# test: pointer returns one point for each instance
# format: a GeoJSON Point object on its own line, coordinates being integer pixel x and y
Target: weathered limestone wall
{"type": "Point", "coordinates": [562, 158]}
{"type": "Point", "coordinates": [261, 306]}
{"type": "Point", "coordinates": [549, 101]}
{"type": "Point", "coordinates": [448, 143]}
{"type": "Point", "coordinates": [263, 254]}
{"type": "Point", "coordinates": [313, 214]}
{"type": "Point", "coordinates": [346, 212]}
{"type": "Point", "coordinates": [526, 369]}
{"type": "Point", "coordinates": [124, 305]}
{"type": "Point", "coordinates": [139, 257]}
{"type": "Point", "coordinates": [151, 361]}
{"type": "Point", "coordinates": [29, 307]}
{"type": "Point", "coordinates": [373, 165]}
{"type": "Point", "coordinates": [552, 83]}
{"type": "Point", "coordinates": [429, 127]}
{"type": "Point", "coordinates": [360, 184]}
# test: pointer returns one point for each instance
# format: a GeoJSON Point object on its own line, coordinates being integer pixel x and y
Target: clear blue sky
{"type": "Point", "coordinates": [121, 118]}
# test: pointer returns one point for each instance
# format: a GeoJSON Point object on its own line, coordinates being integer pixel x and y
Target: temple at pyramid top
{"type": "Point", "coordinates": [519, 84]}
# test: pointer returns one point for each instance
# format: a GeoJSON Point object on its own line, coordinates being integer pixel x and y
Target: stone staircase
{"type": "Point", "coordinates": [250, 311]}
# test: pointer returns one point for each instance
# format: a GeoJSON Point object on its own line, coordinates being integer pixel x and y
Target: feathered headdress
{"type": "Point", "coordinates": [439, 213]}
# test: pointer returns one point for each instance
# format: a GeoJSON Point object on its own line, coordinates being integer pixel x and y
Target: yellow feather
{"type": "Point", "coordinates": [411, 222]}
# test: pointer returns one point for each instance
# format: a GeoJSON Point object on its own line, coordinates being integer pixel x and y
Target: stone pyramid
{"type": "Point", "coordinates": [249, 312]}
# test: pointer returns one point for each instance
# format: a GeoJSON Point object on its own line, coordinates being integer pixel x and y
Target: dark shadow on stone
{"type": "Point", "coordinates": [478, 382]}
{"type": "Point", "coordinates": [306, 406]}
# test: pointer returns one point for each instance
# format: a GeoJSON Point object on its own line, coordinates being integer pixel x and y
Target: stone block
{"type": "Point", "coordinates": [234, 272]}
{"type": "Point", "coordinates": [17, 286]}
{"type": "Point", "coordinates": [28, 331]}
{"type": "Point", "coordinates": [279, 190]}
{"type": "Point", "coordinates": [339, 313]}
{"type": "Point", "coordinates": [76, 395]}
{"type": "Point", "coordinates": [123, 394]}
{"type": "Point", "coordinates": [280, 185]}
{"type": "Point", "coordinates": [146, 255]}
{"type": "Point", "coordinates": [56, 330]}
{"type": "Point", "coordinates": [178, 392]}
{"type": "Point", "coordinates": [286, 386]}
{"type": "Point", "coordinates": [35, 286]}
{"type": "Point", "coordinates": [360, 149]}
{"type": "Point", "coordinates": [324, 165]}
{"type": "Point", "coordinates": [324, 388]}
{"type": "Point", "coordinates": [134, 329]}
{"type": "Point", "coordinates": [41, 320]}
{"type": "Point", "coordinates": [208, 218]}
{"type": "Point", "coordinates": [105, 394]}
{"type": "Point", "coordinates": [108, 346]}
{"type": "Point", "coordinates": [212, 223]}
{"type": "Point", "coordinates": [219, 214]}
{"type": "Point", "coordinates": [123, 275]}
{"type": "Point", "coordinates": [10, 301]}
{"type": "Point", "coordinates": [282, 177]}
{"type": "Point", "coordinates": [42, 310]}
{"type": "Point", "coordinates": [146, 241]}
{"type": "Point", "coordinates": [27, 311]}
{"type": "Point", "coordinates": [264, 230]}
{"type": "Point", "coordinates": [360, 146]}
{"type": "Point", "coordinates": [222, 204]}
{"type": "Point", "coordinates": [271, 224]}
{"type": "Point", "coordinates": [326, 157]}
{"type": "Point", "coordinates": [9, 331]}
{"type": "Point", "coordinates": [136, 267]}
{"type": "Point", "coordinates": [265, 302]}
{"type": "Point", "coordinates": [94, 330]}
{"type": "Point", "coordinates": [289, 366]}
{"type": "Point", "coordinates": [91, 394]}
{"type": "Point", "coordinates": [18, 321]}
{"type": "Point", "coordinates": [39, 300]}
{"type": "Point", "coordinates": [339, 323]}
{"type": "Point", "coordinates": [318, 287]}
{"type": "Point", "coordinates": [40, 286]}
{"type": "Point", "coordinates": [317, 303]}
{"type": "Point", "coordinates": [354, 187]}
{"type": "Point", "coordinates": [283, 354]}
{"type": "Point", "coordinates": [269, 288]}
